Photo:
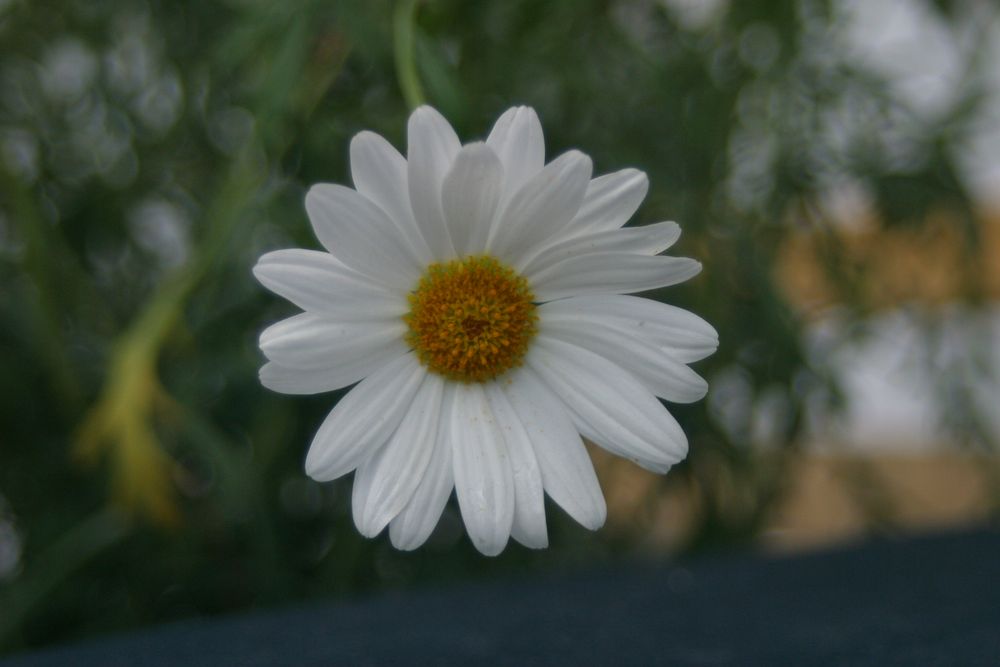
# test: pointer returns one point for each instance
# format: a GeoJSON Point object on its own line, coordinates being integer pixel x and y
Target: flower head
{"type": "Point", "coordinates": [476, 295]}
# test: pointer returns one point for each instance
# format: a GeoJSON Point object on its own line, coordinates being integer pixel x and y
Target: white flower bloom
{"type": "Point", "coordinates": [475, 294]}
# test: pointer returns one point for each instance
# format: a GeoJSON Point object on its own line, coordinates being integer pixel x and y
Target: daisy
{"type": "Point", "coordinates": [476, 295]}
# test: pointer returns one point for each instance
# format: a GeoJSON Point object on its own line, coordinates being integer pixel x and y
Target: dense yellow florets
{"type": "Point", "coordinates": [471, 319]}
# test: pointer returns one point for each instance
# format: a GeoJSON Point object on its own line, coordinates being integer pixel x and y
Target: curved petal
{"type": "Point", "coordinates": [318, 281]}
{"type": "Point", "coordinates": [483, 482]}
{"type": "Point", "coordinates": [313, 341]}
{"type": "Point", "coordinates": [431, 147]}
{"type": "Point", "coordinates": [415, 523]}
{"type": "Point", "coordinates": [541, 209]}
{"type": "Point", "coordinates": [609, 406]}
{"type": "Point", "coordinates": [683, 334]}
{"type": "Point", "coordinates": [300, 381]}
{"type": "Point", "coordinates": [645, 240]}
{"type": "Point", "coordinates": [362, 236]}
{"type": "Point", "coordinates": [469, 197]}
{"type": "Point", "coordinates": [528, 527]}
{"type": "Point", "coordinates": [364, 419]}
{"type": "Point", "coordinates": [379, 173]}
{"type": "Point", "coordinates": [517, 139]}
{"type": "Point", "coordinates": [663, 375]}
{"type": "Point", "coordinates": [609, 273]}
{"type": "Point", "coordinates": [567, 472]}
{"type": "Point", "coordinates": [384, 484]}
{"type": "Point", "coordinates": [610, 201]}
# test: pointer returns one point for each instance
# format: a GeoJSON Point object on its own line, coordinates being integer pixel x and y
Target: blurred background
{"type": "Point", "coordinates": [835, 164]}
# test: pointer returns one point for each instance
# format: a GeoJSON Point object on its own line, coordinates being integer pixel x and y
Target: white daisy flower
{"type": "Point", "coordinates": [475, 294]}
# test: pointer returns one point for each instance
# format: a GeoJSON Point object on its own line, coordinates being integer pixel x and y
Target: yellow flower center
{"type": "Point", "coordinates": [471, 319]}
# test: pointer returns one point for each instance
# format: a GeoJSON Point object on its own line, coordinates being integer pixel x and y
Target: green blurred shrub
{"type": "Point", "coordinates": [152, 150]}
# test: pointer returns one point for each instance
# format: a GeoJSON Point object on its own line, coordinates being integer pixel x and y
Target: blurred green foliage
{"type": "Point", "coordinates": [152, 150]}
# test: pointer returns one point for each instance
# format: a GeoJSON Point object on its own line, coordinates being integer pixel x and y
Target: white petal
{"type": "Point", "coordinates": [344, 348]}
{"type": "Point", "coordinates": [610, 201]}
{"type": "Point", "coordinates": [318, 281]}
{"type": "Point", "coordinates": [416, 522]}
{"type": "Point", "coordinates": [470, 194]}
{"type": "Point", "coordinates": [528, 527]}
{"type": "Point", "coordinates": [483, 482]}
{"type": "Point", "coordinates": [517, 139]}
{"type": "Point", "coordinates": [683, 334]}
{"type": "Point", "coordinates": [431, 146]}
{"type": "Point", "coordinates": [541, 209]}
{"type": "Point", "coordinates": [364, 419]}
{"type": "Point", "coordinates": [567, 473]}
{"type": "Point", "coordinates": [610, 273]}
{"type": "Point", "coordinates": [662, 374]}
{"type": "Point", "coordinates": [646, 240]}
{"type": "Point", "coordinates": [379, 173]}
{"type": "Point", "coordinates": [362, 236]}
{"type": "Point", "coordinates": [384, 484]}
{"type": "Point", "coordinates": [303, 381]}
{"type": "Point", "coordinates": [609, 406]}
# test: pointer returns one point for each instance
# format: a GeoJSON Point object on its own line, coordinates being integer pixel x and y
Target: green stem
{"type": "Point", "coordinates": [37, 263]}
{"type": "Point", "coordinates": [403, 29]}
{"type": "Point", "coordinates": [121, 418]}
{"type": "Point", "coordinates": [164, 308]}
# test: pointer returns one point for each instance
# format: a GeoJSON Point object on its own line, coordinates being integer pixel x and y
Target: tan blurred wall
{"type": "Point", "coordinates": [832, 498]}
{"type": "Point", "coordinates": [932, 265]}
{"type": "Point", "coordinates": [829, 499]}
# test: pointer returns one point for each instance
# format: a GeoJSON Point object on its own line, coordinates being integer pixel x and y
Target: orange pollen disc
{"type": "Point", "coordinates": [471, 319]}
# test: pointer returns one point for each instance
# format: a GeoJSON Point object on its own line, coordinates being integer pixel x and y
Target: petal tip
{"type": "Point", "coordinates": [596, 522]}
{"type": "Point", "coordinates": [313, 196]}
{"type": "Point", "coordinates": [365, 135]}
{"type": "Point", "coordinates": [535, 541]}
{"type": "Point", "coordinates": [257, 269]}
{"type": "Point", "coordinates": [474, 149]}
{"type": "Point", "coordinates": [490, 548]}
{"type": "Point", "coordinates": [315, 467]}
{"type": "Point", "coordinates": [694, 267]}
{"type": "Point", "coordinates": [525, 110]}
{"type": "Point", "coordinates": [426, 113]}
{"type": "Point", "coordinates": [404, 539]}
{"type": "Point", "coordinates": [368, 529]}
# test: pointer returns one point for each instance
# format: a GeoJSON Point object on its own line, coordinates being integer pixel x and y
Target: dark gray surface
{"type": "Point", "coordinates": [927, 601]}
